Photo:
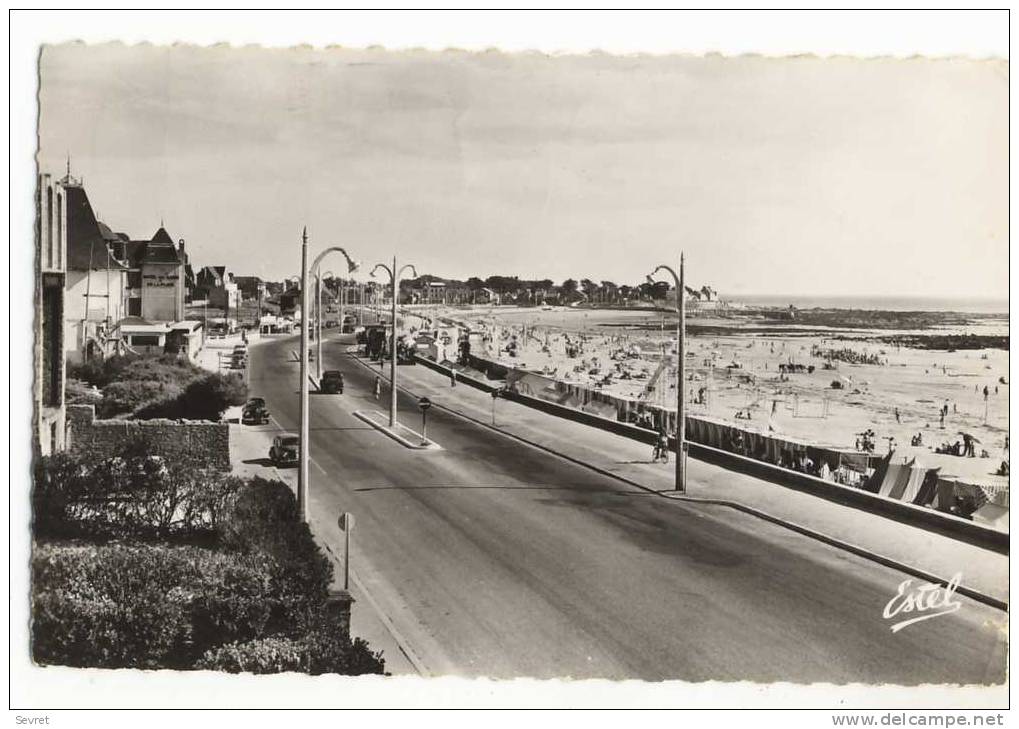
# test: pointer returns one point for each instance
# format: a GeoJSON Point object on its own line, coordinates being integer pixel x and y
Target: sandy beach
{"type": "Point", "coordinates": [840, 387]}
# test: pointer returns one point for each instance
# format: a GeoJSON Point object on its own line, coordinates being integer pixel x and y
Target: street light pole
{"type": "Point", "coordinates": [680, 372]}
{"type": "Point", "coordinates": [302, 473]}
{"type": "Point", "coordinates": [394, 278]}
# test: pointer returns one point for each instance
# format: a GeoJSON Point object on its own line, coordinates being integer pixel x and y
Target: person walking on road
{"type": "Point", "coordinates": [377, 389]}
{"type": "Point", "coordinates": [452, 378]}
{"type": "Point", "coordinates": [661, 449]}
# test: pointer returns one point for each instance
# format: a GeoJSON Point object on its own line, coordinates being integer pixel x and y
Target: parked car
{"type": "Point", "coordinates": [332, 382]}
{"type": "Point", "coordinates": [255, 412]}
{"type": "Point", "coordinates": [285, 449]}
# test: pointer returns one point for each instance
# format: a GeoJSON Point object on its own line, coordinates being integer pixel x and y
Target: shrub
{"type": "Point", "coordinates": [145, 606]}
{"type": "Point", "coordinates": [98, 372]}
{"type": "Point", "coordinates": [262, 517]}
{"type": "Point", "coordinates": [267, 655]}
{"type": "Point", "coordinates": [127, 395]}
{"type": "Point", "coordinates": [132, 494]}
{"type": "Point", "coordinates": [106, 607]}
{"type": "Point", "coordinates": [323, 649]}
{"type": "Point", "coordinates": [78, 392]}
{"type": "Point", "coordinates": [205, 398]}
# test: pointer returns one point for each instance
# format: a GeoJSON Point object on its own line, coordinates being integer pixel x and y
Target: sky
{"type": "Point", "coordinates": [795, 176]}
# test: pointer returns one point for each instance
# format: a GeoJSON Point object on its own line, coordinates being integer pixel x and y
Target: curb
{"type": "Point", "coordinates": [428, 445]}
{"type": "Point", "coordinates": [969, 592]}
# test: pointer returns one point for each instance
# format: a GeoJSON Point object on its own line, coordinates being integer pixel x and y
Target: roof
{"type": "Point", "coordinates": [144, 328]}
{"type": "Point", "coordinates": [86, 242]}
{"type": "Point", "coordinates": [187, 325]}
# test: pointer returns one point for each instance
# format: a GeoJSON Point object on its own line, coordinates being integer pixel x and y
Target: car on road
{"type": "Point", "coordinates": [332, 382]}
{"type": "Point", "coordinates": [255, 412]}
{"type": "Point", "coordinates": [285, 449]}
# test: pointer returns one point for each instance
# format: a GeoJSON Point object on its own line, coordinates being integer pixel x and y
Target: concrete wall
{"type": "Point", "coordinates": [203, 443]}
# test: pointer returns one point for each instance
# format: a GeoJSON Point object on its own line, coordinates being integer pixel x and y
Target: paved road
{"type": "Point", "coordinates": [492, 558]}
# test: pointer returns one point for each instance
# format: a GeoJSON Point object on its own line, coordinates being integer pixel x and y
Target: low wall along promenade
{"type": "Point", "coordinates": [203, 443]}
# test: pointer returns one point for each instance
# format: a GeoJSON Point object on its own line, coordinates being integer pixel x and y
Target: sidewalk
{"type": "Point", "coordinates": [982, 570]}
{"type": "Point", "coordinates": [249, 449]}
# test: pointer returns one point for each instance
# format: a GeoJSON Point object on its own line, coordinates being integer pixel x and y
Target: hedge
{"type": "Point", "coordinates": [251, 599]}
{"type": "Point", "coordinates": [133, 494]}
{"type": "Point", "coordinates": [143, 606]}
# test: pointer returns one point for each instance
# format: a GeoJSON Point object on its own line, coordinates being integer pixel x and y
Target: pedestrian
{"type": "Point", "coordinates": [897, 418]}
{"type": "Point", "coordinates": [942, 419]}
{"type": "Point", "coordinates": [452, 378]}
{"type": "Point", "coordinates": [378, 387]}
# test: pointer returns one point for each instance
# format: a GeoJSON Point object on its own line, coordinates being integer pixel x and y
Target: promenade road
{"type": "Point", "coordinates": [491, 558]}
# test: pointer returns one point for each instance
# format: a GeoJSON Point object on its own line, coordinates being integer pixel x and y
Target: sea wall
{"type": "Point", "coordinates": [203, 443]}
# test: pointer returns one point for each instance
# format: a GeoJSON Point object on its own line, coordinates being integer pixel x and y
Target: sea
{"type": "Point", "coordinates": [972, 305]}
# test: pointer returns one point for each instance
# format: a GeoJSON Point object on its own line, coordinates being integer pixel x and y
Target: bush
{"type": "Point", "coordinates": [205, 398]}
{"type": "Point", "coordinates": [100, 372]}
{"type": "Point", "coordinates": [146, 606]}
{"type": "Point", "coordinates": [262, 517]}
{"type": "Point", "coordinates": [127, 395]}
{"type": "Point", "coordinates": [267, 655]}
{"type": "Point", "coordinates": [78, 392]}
{"type": "Point", "coordinates": [106, 607]}
{"type": "Point", "coordinates": [133, 494]}
{"type": "Point", "coordinates": [324, 649]}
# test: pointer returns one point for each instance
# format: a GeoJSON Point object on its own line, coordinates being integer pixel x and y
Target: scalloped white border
{"type": "Point", "coordinates": [831, 34]}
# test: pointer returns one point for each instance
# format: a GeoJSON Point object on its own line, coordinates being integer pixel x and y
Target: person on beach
{"type": "Point", "coordinates": [897, 418]}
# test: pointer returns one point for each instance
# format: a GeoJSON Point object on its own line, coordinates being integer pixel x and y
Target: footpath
{"type": "Point", "coordinates": [981, 570]}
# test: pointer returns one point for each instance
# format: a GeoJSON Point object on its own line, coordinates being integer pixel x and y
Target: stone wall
{"type": "Point", "coordinates": [204, 443]}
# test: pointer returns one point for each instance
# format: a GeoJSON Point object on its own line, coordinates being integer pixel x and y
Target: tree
{"type": "Point", "coordinates": [569, 288]}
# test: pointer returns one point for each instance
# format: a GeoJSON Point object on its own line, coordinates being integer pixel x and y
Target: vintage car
{"type": "Point", "coordinates": [255, 412]}
{"type": "Point", "coordinates": [285, 449]}
{"type": "Point", "coordinates": [332, 382]}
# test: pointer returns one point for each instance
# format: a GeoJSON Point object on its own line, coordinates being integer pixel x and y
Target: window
{"type": "Point", "coordinates": [134, 279]}
{"type": "Point", "coordinates": [52, 356]}
{"type": "Point", "coordinates": [134, 307]}
{"type": "Point", "coordinates": [60, 228]}
{"type": "Point", "coordinates": [145, 340]}
{"type": "Point", "coordinates": [49, 227]}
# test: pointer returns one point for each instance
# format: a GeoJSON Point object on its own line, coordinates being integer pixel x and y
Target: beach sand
{"type": "Point", "coordinates": [916, 383]}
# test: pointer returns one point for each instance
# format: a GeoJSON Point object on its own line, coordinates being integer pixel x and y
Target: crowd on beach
{"type": "Point", "coordinates": [634, 364]}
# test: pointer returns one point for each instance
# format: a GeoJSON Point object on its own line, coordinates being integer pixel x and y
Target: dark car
{"type": "Point", "coordinates": [285, 449]}
{"type": "Point", "coordinates": [255, 412]}
{"type": "Point", "coordinates": [332, 381]}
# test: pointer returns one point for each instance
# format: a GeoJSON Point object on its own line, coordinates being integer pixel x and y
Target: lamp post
{"type": "Point", "coordinates": [680, 371]}
{"type": "Point", "coordinates": [394, 278]}
{"type": "Point", "coordinates": [302, 472]}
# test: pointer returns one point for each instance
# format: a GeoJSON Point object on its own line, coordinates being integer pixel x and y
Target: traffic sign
{"type": "Point", "coordinates": [346, 521]}
{"type": "Point", "coordinates": [424, 403]}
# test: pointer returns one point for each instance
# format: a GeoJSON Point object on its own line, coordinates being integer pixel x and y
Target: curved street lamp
{"type": "Point", "coordinates": [302, 474]}
{"type": "Point", "coordinates": [680, 372]}
{"type": "Point", "coordinates": [394, 279]}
